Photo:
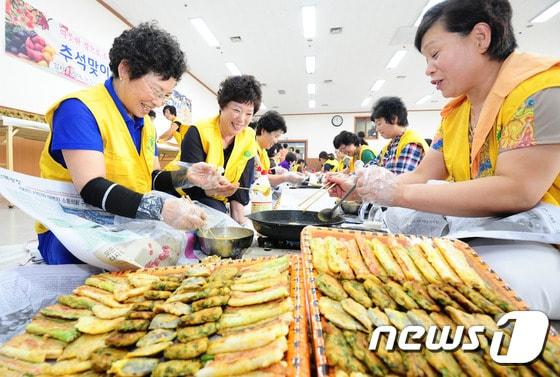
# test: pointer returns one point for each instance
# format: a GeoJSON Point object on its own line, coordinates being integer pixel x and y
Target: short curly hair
{"type": "Point", "coordinates": [147, 48]}
{"type": "Point", "coordinates": [390, 108]}
{"type": "Point", "coordinates": [242, 89]}
{"type": "Point", "coordinates": [459, 16]}
{"type": "Point", "coordinates": [271, 121]}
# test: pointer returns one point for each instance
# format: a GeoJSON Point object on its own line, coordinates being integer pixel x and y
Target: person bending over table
{"type": "Point", "coordinates": [103, 141]}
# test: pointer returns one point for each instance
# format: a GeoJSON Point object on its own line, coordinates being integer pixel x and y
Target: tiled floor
{"type": "Point", "coordinates": [17, 236]}
{"type": "Point", "coordinates": [15, 226]}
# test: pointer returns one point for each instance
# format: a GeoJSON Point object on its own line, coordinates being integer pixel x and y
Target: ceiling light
{"type": "Point", "coordinates": [310, 64]}
{"type": "Point", "coordinates": [311, 103]}
{"type": "Point", "coordinates": [396, 59]}
{"type": "Point", "coordinates": [550, 12]}
{"type": "Point", "coordinates": [205, 32]}
{"type": "Point", "coordinates": [308, 17]}
{"type": "Point", "coordinates": [327, 81]}
{"type": "Point", "coordinates": [366, 102]}
{"type": "Point", "coordinates": [232, 68]}
{"type": "Point", "coordinates": [377, 85]}
{"type": "Point", "coordinates": [311, 88]}
{"type": "Point", "coordinates": [430, 4]}
{"type": "Point", "coordinates": [424, 99]}
{"type": "Point", "coordinates": [235, 39]}
{"type": "Point", "coordinates": [281, 91]}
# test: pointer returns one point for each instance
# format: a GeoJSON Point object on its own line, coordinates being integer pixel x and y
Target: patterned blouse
{"type": "Point", "coordinates": [536, 122]}
{"type": "Point", "coordinates": [410, 157]}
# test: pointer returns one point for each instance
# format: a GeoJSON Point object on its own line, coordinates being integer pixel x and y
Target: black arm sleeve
{"type": "Point", "coordinates": [191, 151]}
{"type": "Point", "coordinates": [191, 147]}
{"type": "Point", "coordinates": [161, 181]}
{"type": "Point", "coordinates": [111, 197]}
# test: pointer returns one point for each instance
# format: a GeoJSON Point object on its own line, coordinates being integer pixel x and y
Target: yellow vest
{"type": "Point", "coordinates": [334, 164]}
{"type": "Point", "coordinates": [521, 76]}
{"type": "Point", "coordinates": [345, 161]}
{"type": "Point", "coordinates": [179, 135]}
{"type": "Point", "coordinates": [263, 158]}
{"type": "Point", "coordinates": [362, 149]}
{"type": "Point", "coordinates": [408, 137]}
{"type": "Point", "coordinates": [123, 164]}
{"type": "Point", "coordinates": [244, 148]}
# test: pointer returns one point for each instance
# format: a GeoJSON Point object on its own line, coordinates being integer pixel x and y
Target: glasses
{"type": "Point", "coordinates": [157, 93]}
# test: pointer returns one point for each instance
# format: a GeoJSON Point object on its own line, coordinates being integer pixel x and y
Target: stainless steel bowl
{"type": "Point", "coordinates": [351, 207]}
{"type": "Point", "coordinates": [226, 242]}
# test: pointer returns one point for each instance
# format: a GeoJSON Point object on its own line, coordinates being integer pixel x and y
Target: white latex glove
{"type": "Point", "coordinates": [377, 185]}
{"type": "Point", "coordinates": [294, 177]}
{"type": "Point", "coordinates": [199, 174]}
{"type": "Point", "coordinates": [182, 214]}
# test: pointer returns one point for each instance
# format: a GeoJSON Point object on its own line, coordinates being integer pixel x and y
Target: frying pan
{"type": "Point", "coordinates": [287, 224]}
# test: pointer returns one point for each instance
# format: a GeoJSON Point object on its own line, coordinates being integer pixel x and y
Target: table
{"type": "Point", "coordinates": [31, 130]}
{"type": "Point", "coordinates": [28, 129]}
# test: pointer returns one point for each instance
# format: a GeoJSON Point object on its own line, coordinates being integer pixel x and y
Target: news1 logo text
{"type": "Point", "coordinates": [526, 342]}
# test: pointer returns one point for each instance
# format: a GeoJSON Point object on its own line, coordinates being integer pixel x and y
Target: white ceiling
{"type": "Point", "coordinates": [273, 48]}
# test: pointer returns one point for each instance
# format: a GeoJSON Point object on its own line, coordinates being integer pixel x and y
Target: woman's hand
{"type": "Point", "coordinates": [342, 183]}
{"type": "Point", "coordinates": [294, 177]}
{"type": "Point", "coordinates": [182, 214]}
{"type": "Point", "coordinates": [237, 211]}
{"type": "Point", "coordinates": [224, 188]}
{"type": "Point", "coordinates": [377, 185]}
{"type": "Point", "coordinates": [205, 176]}
{"type": "Point", "coordinates": [201, 174]}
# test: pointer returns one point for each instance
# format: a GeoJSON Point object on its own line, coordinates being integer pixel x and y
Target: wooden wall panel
{"type": "Point", "coordinates": [26, 155]}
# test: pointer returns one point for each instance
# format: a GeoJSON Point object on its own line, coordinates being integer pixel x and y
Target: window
{"type": "Point", "coordinates": [299, 147]}
{"type": "Point", "coordinates": [365, 125]}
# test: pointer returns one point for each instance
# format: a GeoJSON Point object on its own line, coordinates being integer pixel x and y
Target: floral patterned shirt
{"type": "Point", "coordinates": [536, 122]}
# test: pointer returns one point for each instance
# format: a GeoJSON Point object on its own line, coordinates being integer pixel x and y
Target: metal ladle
{"type": "Point", "coordinates": [325, 215]}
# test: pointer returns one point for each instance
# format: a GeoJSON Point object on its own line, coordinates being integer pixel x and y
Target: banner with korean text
{"type": "Point", "coordinates": [32, 36]}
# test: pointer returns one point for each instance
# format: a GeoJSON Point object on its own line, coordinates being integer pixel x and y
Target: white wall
{"type": "Point", "coordinates": [319, 132]}
{"type": "Point", "coordinates": [27, 87]}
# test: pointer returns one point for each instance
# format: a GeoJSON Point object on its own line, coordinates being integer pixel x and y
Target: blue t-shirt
{"type": "Point", "coordinates": [74, 127]}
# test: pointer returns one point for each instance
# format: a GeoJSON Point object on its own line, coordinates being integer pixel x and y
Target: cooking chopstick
{"type": "Point", "coordinates": [315, 197]}
{"type": "Point", "coordinates": [203, 228]}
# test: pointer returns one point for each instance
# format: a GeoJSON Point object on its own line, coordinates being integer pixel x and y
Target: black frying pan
{"type": "Point", "coordinates": [287, 224]}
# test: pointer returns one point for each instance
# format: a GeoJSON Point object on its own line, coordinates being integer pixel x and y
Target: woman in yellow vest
{"type": "Point", "coordinates": [351, 145]}
{"type": "Point", "coordinates": [406, 147]}
{"type": "Point", "coordinates": [103, 140]}
{"type": "Point", "coordinates": [226, 141]}
{"type": "Point", "coordinates": [498, 142]}
{"type": "Point", "coordinates": [328, 162]}
{"type": "Point", "coordinates": [177, 129]}
{"type": "Point", "coordinates": [270, 127]}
